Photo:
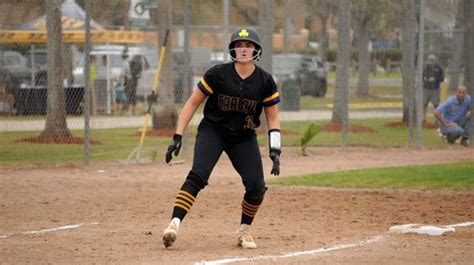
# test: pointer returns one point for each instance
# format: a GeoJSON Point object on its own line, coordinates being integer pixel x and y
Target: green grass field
{"type": "Point", "coordinates": [117, 144]}
{"type": "Point", "coordinates": [383, 136]}
{"type": "Point", "coordinates": [456, 176]}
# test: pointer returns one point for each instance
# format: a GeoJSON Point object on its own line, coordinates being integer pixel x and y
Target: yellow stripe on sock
{"type": "Point", "coordinates": [187, 194]}
{"type": "Point", "coordinates": [184, 202]}
{"type": "Point", "coordinates": [182, 207]}
{"type": "Point", "coordinates": [244, 211]}
{"type": "Point", "coordinates": [251, 206]}
{"type": "Point", "coordinates": [251, 212]}
{"type": "Point", "coordinates": [184, 198]}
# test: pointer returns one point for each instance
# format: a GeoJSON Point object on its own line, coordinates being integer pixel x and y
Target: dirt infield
{"type": "Point", "coordinates": [111, 213]}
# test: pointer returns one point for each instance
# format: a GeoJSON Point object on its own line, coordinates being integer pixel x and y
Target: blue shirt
{"type": "Point", "coordinates": [453, 109]}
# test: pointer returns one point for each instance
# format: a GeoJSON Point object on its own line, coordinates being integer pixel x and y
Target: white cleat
{"type": "Point", "coordinates": [245, 239]}
{"type": "Point", "coordinates": [169, 235]}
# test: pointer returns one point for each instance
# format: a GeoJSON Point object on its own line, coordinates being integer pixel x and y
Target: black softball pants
{"type": "Point", "coordinates": [243, 152]}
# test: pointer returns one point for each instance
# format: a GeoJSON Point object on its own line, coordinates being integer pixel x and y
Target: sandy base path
{"type": "Point", "coordinates": [110, 213]}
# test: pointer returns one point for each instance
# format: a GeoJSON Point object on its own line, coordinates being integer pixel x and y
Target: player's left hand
{"type": "Point", "coordinates": [275, 156]}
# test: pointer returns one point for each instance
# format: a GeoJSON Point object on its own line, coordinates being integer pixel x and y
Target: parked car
{"type": "Point", "coordinates": [16, 69]}
{"type": "Point", "coordinates": [306, 71]}
{"type": "Point", "coordinates": [13, 69]}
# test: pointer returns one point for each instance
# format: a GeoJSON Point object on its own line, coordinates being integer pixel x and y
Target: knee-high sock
{"type": "Point", "coordinates": [249, 209]}
{"type": "Point", "coordinates": [184, 200]}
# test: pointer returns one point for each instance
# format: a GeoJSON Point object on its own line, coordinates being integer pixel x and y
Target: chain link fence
{"type": "Point", "coordinates": [124, 59]}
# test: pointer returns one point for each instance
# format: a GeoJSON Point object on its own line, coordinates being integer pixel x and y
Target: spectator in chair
{"type": "Point", "coordinates": [454, 117]}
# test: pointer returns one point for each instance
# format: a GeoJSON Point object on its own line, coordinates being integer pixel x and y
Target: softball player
{"type": "Point", "coordinates": [236, 93]}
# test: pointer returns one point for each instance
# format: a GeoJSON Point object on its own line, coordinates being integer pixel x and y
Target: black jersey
{"type": "Point", "coordinates": [235, 103]}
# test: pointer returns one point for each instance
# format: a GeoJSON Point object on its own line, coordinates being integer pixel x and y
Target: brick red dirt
{"type": "Point", "coordinates": [124, 209]}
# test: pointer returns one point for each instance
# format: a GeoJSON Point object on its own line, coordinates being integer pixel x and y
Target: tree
{"type": "Point", "coordinates": [266, 32]}
{"type": "Point", "coordinates": [408, 61]}
{"type": "Point", "coordinates": [165, 114]}
{"type": "Point", "coordinates": [324, 9]}
{"type": "Point", "coordinates": [455, 64]}
{"type": "Point", "coordinates": [56, 125]}
{"type": "Point", "coordinates": [340, 112]}
{"type": "Point", "coordinates": [469, 42]}
{"type": "Point", "coordinates": [365, 14]}
{"type": "Point", "coordinates": [288, 25]}
{"type": "Point", "coordinates": [469, 54]}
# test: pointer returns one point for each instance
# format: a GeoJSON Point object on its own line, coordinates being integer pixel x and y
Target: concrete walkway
{"type": "Point", "coordinates": [103, 122]}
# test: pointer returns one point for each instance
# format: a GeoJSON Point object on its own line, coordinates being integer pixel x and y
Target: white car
{"type": "Point", "coordinates": [114, 55]}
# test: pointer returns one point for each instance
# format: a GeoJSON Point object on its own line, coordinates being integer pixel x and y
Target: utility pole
{"type": "Point", "coordinates": [419, 77]}
{"type": "Point", "coordinates": [226, 30]}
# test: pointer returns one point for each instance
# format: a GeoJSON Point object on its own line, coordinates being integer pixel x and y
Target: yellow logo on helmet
{"type": "Point", "coordinates": [244, 33]}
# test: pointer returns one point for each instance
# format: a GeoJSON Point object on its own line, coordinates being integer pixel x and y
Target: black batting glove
{"type": "Point", "coordinates": [275, 156]}
{"type": "Point", "coordinates": [174, 146]}
{"type": "Point", "coordinates": [274, 137]}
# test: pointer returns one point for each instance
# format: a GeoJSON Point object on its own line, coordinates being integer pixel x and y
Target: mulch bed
{"type": "Point", "coordinates": [157, 133]}
{"type": "Point", "coordinates": [354, 128]}
{"type": "Point", "coordinates": [402, 124]}
{"type": "Point", "coordinates": [170, 132]}
{"type": "Point", "coordinates": [56, 140]}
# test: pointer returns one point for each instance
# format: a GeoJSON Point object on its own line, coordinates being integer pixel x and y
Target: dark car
{"type": "Point", "coordinates": [17, 68]}
{"type": "Point", "coordinates": [306, 71]}
{"type": "Point", "coordinates": [14, 68]}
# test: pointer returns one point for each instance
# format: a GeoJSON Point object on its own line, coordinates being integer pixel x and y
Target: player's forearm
{"type": "Point", "coordinates": [273, 124]}
{"type": "Point", "coordinates": [271, 115]}
{"type": "Point", "coordinates": [196, 99]}
{"type": "Point", "coordinates": [185, 117]}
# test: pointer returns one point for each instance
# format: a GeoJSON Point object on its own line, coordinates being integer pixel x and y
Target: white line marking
{"type": "Point", "coordinates": [54, 229]}
{"type": "Point", "coordinates": [374, 239]}
{"type": "Point", "coordinates": [294, 254]}
{"type": "Point", "coordinates": [461, 224]}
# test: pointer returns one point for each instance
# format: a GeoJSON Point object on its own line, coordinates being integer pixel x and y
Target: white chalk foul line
{"type": "Point", "coordinates": [294, 254]}
{"type": "Point", "coordinates": [461, 224]}
{"type": "Point", "coordinates": [48, 230]}
{"type": "Point", "coordinates": [313, 251]}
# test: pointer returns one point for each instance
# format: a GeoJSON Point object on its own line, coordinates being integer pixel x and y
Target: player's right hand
{"type": "Point", "coordinates": [174, 146]}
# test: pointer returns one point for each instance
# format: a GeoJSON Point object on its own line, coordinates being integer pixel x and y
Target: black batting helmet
{"type": "Point", "coordinates": [248, 34]}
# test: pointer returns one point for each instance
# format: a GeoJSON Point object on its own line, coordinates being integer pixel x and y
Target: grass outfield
{"type": "Point", "coordinates": [456, 176]}
{"type": "Point", "coordinates": [118, 143]}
